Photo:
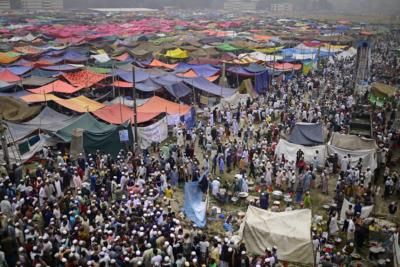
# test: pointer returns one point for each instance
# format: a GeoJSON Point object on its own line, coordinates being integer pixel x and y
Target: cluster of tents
{"type": "Point", "coordinates": [82, 71]}
{"type": "Point", "coordinates": [311, 137]}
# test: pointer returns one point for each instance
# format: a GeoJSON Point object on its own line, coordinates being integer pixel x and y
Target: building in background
{"type": "Point", "coordinates": [42, 4]}
{"type": "Point", "coordinates": [5, 4]}
{"type": "Point", "coordinates": [241, 5]}
{"type": "Point", "coordinates": [282, 7]}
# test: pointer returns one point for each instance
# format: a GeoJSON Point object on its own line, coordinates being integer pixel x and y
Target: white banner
{"type": "Point", "coordinates": [290, 152]}
{"type": "Point", "coordinates": [156, 132]}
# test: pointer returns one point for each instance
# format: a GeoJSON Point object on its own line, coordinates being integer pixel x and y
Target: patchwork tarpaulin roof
{"type": "Point", "coordinates": [119, 113]}
{"type": "Point", "coordinates": [127, 76]}
{"type": "Point", "coordinates": [7, 76]}
{"type": "Point", "coordinates": [86, 122]}
{"type": "Point", "coordinates": [204, 70]}
{"type": "Point", "coordinates": [56, 87]}
{"type": "Point", "coordinates": [12, 109]}
{"type": "Point", "coordinates": [80, 104]}
{"type": "Point", "coordinates": [158, 104]}
{"type": "Point", "coordinates": [177, 53]}
{"type": "Point", "coordinates": [84, 78]}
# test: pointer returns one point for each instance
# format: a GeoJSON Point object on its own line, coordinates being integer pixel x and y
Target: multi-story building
{"type": "Point", "coordinates": [31, 4]}
{"type": "Point", "coordinates": [282, 7]}
{"type": "Point", "coordinates": [5, 4]}
{"type": "Point", "coordinates": [42, 4]}
{"type": "Point", "coordinates": [241, 5]}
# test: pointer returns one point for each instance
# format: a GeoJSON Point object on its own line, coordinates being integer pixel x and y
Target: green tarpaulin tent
{"type": "Point", "coordinates": [227, 48]}
{"type": "Point", "coordinates": [86, 122]}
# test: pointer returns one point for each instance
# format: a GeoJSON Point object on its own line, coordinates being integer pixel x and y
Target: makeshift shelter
{"type": "Point", "coordinates": [289, 150]}
{"type": "Point", "coordinates": [380, 93]}
{"type": "Point", "coordinates": [174, 110]}
{"type": "Point", "coordinates": [307, 134]}
{"type": "Point", "coordinates": [290, 231]}
{"type": "Point", "coordinates": [177, 54]}
{"type": "Point", "coordinates": [84, 78]}
{"type": "Point", "coordinates": [80, 104]}
{"type": "Point", "coordinates": [47, 120]}
{"type": "Point", "coordinates": [86, 122]}
{"type": "Point", "coordinates": [12, 109]}
{"type": "Point", "coordinates": [8, 76]}
{"type": "Point", "coordinates": [118, 113]}
{"type": "Point", "coordinates": [205, 85]}
{"type": "Point", "coordinates": [56, 87]}
{"type": "Point", "coordinates": [357, 147]}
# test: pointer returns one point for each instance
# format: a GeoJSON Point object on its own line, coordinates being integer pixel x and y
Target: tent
{"type": "Point", "coordinates": [8, 76]}
{"type": "Point", "coordinates": [307, 134]}
{"type": "Point", "coordinates": [357, 147]}
{"type": "Point", "coordinates": [80, 104]}
{"type": "Point", "coordinates": [289, 150]}
{"type": "Point", "coordinates": [86, 122]}
{"type": "Point", "coordinates": [205, 85]}
{"type": "Point", "coordinates": [84, 78]}
{"type": "Point", "coordinates": [177, 53]}
{"type": "Point", "coordinates": [56, 87]}
{"type": "Point", "coordinates": [174, 110]}
{"type": "Point", "coordinates": [290, 231]}
{"type": "Point", "coordinates": [48, 120]}
{"type": "Point", "coordinates": [12, 109]}
{"type": "Point", "coordinates": [118, 113]}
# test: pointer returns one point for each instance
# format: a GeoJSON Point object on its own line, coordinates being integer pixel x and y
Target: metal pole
{"type": "Point", "coordinates": [134, 107]}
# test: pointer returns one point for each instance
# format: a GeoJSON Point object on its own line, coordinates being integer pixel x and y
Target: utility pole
{"type": "Point", "coordinates": [134, 108]}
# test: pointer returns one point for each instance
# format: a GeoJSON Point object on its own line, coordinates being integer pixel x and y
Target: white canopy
{"type": "Point", "coordinates": [289, 231]}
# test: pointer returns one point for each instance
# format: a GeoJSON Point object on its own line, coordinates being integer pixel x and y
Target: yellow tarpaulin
{"type": "Point", "coordinates": [38, 98]}
{"type": "Point", "coordinates": [269, 49]}
{"type": "Point", "coordinates": [177, 53]}
{"type": "Point", "coordinates": [80, 104]}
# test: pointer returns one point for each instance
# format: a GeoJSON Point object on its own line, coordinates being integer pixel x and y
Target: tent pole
{"type": "Point", "coordinates": [134, 107]}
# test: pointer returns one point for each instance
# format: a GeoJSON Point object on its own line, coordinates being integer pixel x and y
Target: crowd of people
{"type": "Point", "coordinates": [99, 210]}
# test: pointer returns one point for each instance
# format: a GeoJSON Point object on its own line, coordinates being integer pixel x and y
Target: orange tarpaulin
{"type": "Point", "coordinates": [6, 59]}
{"type": "Point", "coordinates": [80, 104]}
{"type": "Point", "coordinates": [286, 66]}
{"type": "Point", "coordinates": [160, 64]}
{"type": "Point", "coordinates": [262, 38]}
{"type": "Point", "coordinates": [158, 104]}
{"type": "Point", "coordinates": [192, 74]}
{"type": "Point", "coordinates": [84, 78]}
{"type": "Point", "coordinates": [36, 98]}
{"type": "Point", "coordinates": [122, 57]}
{"type": "Point", "coordinates": [8, 76]}
{"type": "Point", "coordinates": [119, 113]}
{"type": "Point", "coordinates": [122, 84]}
{"type": "Point", "coordinates": [28, 50]}
{"type": "Point", "coordinates": [56, 87]}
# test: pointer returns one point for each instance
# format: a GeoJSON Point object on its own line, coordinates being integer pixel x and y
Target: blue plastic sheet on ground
{"type": "Point", "coordinates": [194, 207]}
